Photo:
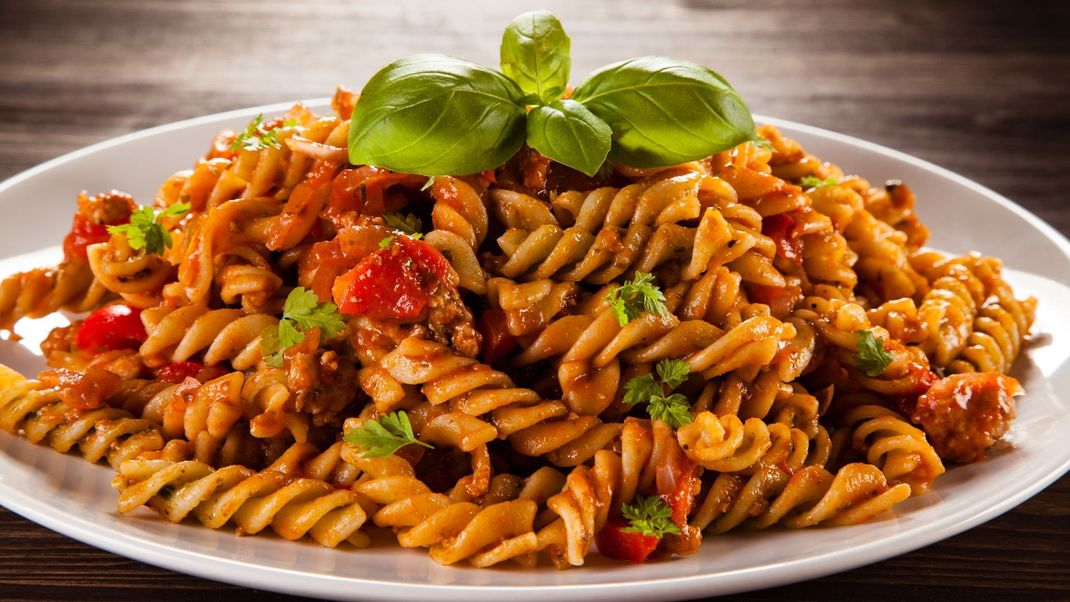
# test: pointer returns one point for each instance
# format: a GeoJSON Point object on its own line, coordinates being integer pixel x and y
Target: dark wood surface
{"type": "Point", "coordinates": [982, 88]}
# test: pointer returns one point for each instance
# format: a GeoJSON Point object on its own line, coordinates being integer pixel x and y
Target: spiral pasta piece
{"type": "Point", "coordinates": [839, 322]}
{"type": "Point", "coordinates": [37, 293]}
{"type": "Point", "coordinates": [811, 496]}
{"type": "Point", "coordinates": [610, 232]}
{"type": "Point", "coordinates": [466, 392]}
{"type": "Point", "coordinates": [460, 222]}
{"type": "Point", "coordinates": [29, 409]}
{"type": "Point", "coordinates": [293, 507]}
{"type": "Point", "coordinates": [122, 270]}
{"type": "Point", "coordinates": [885, 440]}
{"type": "Point", "coordinates": [592, 493]}
{"type": "Point", "coordinates": [226, 420]}
{"type": "Point", "coordinates": [176, 334]}
{"type": "Point", "coordinates": [530, 306]}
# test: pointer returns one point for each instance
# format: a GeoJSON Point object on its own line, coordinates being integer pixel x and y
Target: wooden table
{"type": "Point", "coordinates": [982, 90]}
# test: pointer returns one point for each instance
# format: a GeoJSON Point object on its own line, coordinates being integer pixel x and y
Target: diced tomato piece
{"type": "Point", "coordinates": [613, 541]}
{"type": "Point", "coordinates": [394, 283]}
{"type": "Point", "coordinates": [83, 233]}
{"type": "Point", "coordinates": [363, 189]}
{"type": "Point", "coordinates": [299, 215]}
{"type": "Point", "coordinates": [82, 391]}
{"type": "Point", "coordinates": [675, 481]}
{"type": "Point", "coordinates": [109, 328]}
{"type": "Point", "coordinates": [782, 229]}
{"type": "Point", "coordinates": [114, 209]}
{"type": "Point", "coordinates": [329, 259]}
{"type": "Point", "coordinates": [497, 341]}
{"type": "Point", "coordinates": [781, 300]}
{"type": "Point", "coordinates": [177, 372]}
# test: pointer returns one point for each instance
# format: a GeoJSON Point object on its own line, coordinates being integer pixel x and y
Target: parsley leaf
{"type": "Point", "coordinates": [815, 182]}
{"type": "Point", "coordinates": [674, 409]}
{"type": "Point", "coordinates": [386, 242]}
{"type": "Point", "coordinates": [145, 230]}
{"type": "Point", "coordinates": [763, 142]}
{"type": "Point", "coordinates": [406, 224]}
{"type": "Point", "coordinates": [384, 436]}
{"type": "Point", "coordinates": [673, 372]}
{"type": "Point", "coordinates": [629, 300]}
{"type": "Point", "coordinates": [870, 353]}
{"type": "Point", "coordinates": [641, 388]}
{"type": "Point", "coordinates": [255, 137]}
{"type": "Point", "coordinates": [271, 347]}
{"type": "Point", "coordinates": [649, 515]}
{"type": "Point", "coordinates": [302, 308]}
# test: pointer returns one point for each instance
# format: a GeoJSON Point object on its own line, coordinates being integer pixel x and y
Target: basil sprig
{"type": "Point", "coordinates": [436, 115]}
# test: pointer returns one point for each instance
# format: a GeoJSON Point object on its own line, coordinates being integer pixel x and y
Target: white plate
{"type": "Point", "coordinates": [66, 494]}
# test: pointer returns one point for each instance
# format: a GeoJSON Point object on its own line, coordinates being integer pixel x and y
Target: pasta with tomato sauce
{"type": "Point", "coordinates": [523, 364]}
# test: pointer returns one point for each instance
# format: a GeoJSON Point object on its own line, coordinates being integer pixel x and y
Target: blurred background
{"type": "Point", "coordinates": [982, 88]}
{"type": "Point", "coordinates": [933, 79]}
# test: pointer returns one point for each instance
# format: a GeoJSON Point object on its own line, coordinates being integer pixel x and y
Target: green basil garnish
{"type": "Point", "coordinates": [568, 133]}
{"type": "Point", "coordinates": [664, 111]}
{"type": "Point", "coordinates": [435, 115]}
{"type": "Point", "coordinates": [535, 54]}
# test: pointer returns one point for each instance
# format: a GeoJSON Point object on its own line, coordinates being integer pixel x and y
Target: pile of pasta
{"type": "Point", "coordinates": [814, 364]}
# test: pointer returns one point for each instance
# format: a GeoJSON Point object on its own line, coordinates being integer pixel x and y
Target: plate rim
{"type": "Point", "coordinates": [291, 581]}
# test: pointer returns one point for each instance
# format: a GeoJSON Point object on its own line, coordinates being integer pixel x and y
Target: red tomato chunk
{"type": "Point", "coordinates": [179, 371]}
{"type": "Point", "coordinates": [110, 328]}
{"type": "Point", "coordinates": [83, 233]}
{"type": "Point", "coordinates": [394, 283]}
{"type": "Point", "coordinates": [613, 541]}
{"type": "Point", "coordinates": [782, 229]}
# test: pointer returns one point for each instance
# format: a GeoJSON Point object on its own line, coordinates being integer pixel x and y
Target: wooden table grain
{"type": "Point", "coordinates": [982, 88]}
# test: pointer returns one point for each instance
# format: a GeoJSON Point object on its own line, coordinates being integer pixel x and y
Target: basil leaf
{"type": "Point", "coordinates": [568, 133]}
{"type": "Point", "coordinates": [435, 115]}
{"type": "Point", "coordinates": [665, 111]}
{"type": "Point", "coordinates": [535, 54]}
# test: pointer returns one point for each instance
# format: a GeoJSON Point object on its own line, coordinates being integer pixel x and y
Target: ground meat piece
{"type": "Point", "coordinates": [323, 383]}
{"type": "Point", "coordinates": [534, 169]}
{"type": "Point", "coordinates": [965, 414]}
{"type": "Point", "coordinates": [450, 321]}
{"type": "Point", "coordinates": [59, 343]}
{"type": "Point", "coordinates": [112, 207]}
